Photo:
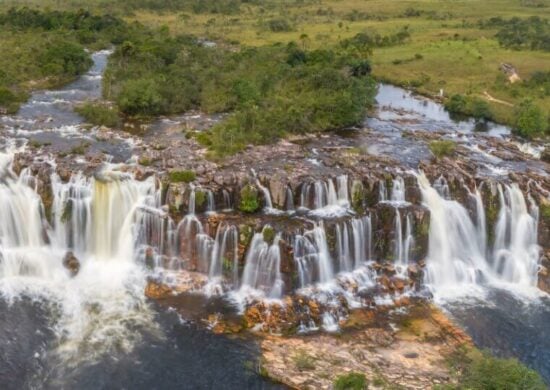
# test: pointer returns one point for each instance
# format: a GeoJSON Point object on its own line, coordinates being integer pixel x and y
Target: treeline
{"type": "Point", "coordinates": [531, 33]}
{"type": "Point", "coordinates": [370, 39]}
{"type": "Point", "coordinates": [269, 91]}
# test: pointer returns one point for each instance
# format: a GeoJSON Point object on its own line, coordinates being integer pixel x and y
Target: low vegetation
{"type": "Point", "coordinates": [270, 91]}
{"type": "Point", "coordinates": [99, 114]}
{"type": "Point", "coordinates": [474, 370]}
{"type": "Point", "coordinates": [249, 199]}
{"type": "Point", "coordinates": [351, 381]}
{"type": "Point", "coordinates": [303, 361]}
{"type": "Point", "coordinates": [181, 176]}
{"type": "Point", "coordinates": [442, 148]}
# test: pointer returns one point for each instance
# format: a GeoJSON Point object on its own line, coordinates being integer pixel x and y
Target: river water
{"type": "Point", "coordinates": [97, 330]}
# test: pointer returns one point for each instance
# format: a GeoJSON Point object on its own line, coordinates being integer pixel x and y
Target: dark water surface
{"type": "Point", "coordinates": [185, 356]}
{"type": "Point", "coordinates": [509, 326]}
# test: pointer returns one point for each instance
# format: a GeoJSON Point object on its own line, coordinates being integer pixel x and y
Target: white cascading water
{"type": "Point", "coordinates": [312, 257]}
{"type": "Point", "coordinates": [398, 190]}
{"type": "Point", "coordinates": [103, 304]}
{"type": "Point", "coordinates": [353, 243]}
{"type": "Point", "coordinates": [325, 198]}
{"type": "Point", "coordinates": [516, 253]}
{"type": "Point", "coordinates": [403, 242]}
{"type": "Point", "coordinates": [262, 271]}
{"type": "Point", "coordinates": [457, 262]}
{"type": "Point", "coordinates": [267, 195]}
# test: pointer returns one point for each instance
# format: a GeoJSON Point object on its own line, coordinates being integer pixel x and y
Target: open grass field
{"type": "Point", "coordinates": [447, 49]}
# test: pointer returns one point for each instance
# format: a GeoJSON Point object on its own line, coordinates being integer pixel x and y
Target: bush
{"type": "Point", "coordinates": [530, 120]}
{"type": "Point", "coordinates": [98, 114]}
{"type": "Point", "coordinates": [64, 58]}
{"type": "Point", "coordinates": [442, 148]}
{"type": "Point", "coordinates": [181, 176]}
{"type": "Point", "coordinates": [480, 109]}
{"type": "Point", "coordinates": [249, 202]}
{"type": "Point", "coordinates": [140, 96]}
{"type": "Point", "coordinates": [481, 371]}
{"type": "Point", "coordinates": [457, 104]}
{"type": "Point", "coordinates": [351, 381]}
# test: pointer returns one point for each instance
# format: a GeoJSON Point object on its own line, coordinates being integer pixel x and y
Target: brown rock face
{"type": "Point", "coordinates": [71, 263]}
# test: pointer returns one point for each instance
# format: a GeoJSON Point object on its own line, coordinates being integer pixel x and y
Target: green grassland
{"type": "Point", "coordinates": [447, 49]}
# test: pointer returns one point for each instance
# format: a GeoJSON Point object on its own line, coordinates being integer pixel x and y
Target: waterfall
{"type": "Point", "coordinates": [289, 200]}
{"type": "Point", "coordinates": [403, 243]}
{"type": "Point", "coordinates": [480, 219]}
{"type": "Point", "coordinates": [192, 200]}
{"type": "Point", "coordinates": [353, 242]}
{"type": "Point", "coordinates": [382, 192]}
{"type": "Point", "coordinates": [456, 257]}
{"type": "Point", "coordinates": [312, 257]}
{"type": "Point", "coordinates": [211, 203]}
{"type": "Point", "coordinates": [262, 266]}
{"type": "Point", "coordinates": [96, 219]}
{"type": "Point", "coordinates": [267, 195]}
{"type": "Point", "coordinates": [326, 197]}
{"type": "Point", "coordinates": [398, 190]}
{"type": "Point", "coordinates": [225, 253]}
{"type": "Point", "coordinates": [228, 205]}
{"type": "Point", "coordinates": [516, 253]}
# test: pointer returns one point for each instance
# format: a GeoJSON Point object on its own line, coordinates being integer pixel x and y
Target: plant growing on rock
{"type": "Point", "coordinates": [442, 148]}
{"type": "Point", "coordinates": [200, 198]}
{"type": "Point", "coordinates": [249, 202]}
{"type": "Point", "coordinates": [182, 176]}
{"type": "Point", "coordinates": [303, 361]}
{"type": "Point", "coordinates": [269, 234]}
{"type": "Point", "coordinates": [351, 381]}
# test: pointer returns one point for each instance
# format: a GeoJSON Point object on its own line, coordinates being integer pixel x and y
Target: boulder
{"type": "Point", "coordinates": [71, 263]}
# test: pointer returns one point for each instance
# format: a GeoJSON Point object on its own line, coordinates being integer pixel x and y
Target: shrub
{"type": "Point", "coordinates": [98, 114]}
{"type": "Point", "coordinates": [530, 119]}
{"type": "Point", "coordinates": [457, 104]}
{"type": "Point", "coordinates": [140, 96]}
{"type": "Point", "coordinates": [480, 109]}
{"type": "Point", "coordinates": [351, 381]}
{"type": "Point", "coordinates": [181, 176]}
{"type": "Point", "coordinates": [249, 202]}
{"type": "Point", "coordinates": [65, 58]}
{"type": "Point", "coordinates": [487, 373]}
{"type": "Point", "coordinates": [442, 148]}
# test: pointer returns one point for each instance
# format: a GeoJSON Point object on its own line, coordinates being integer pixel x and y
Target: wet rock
{"type": "Point", "coordinates": [71, 263]}
{"type": "Point", "coordinates": [157, 290]}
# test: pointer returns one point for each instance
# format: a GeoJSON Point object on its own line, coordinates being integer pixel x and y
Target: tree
{"type": "Point", "coordinates": [530, 119]}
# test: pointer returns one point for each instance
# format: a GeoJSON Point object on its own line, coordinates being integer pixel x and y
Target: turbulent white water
{"type": "Point", "coordinates": [94, 219]}
{"type": "Point", "coordinates": [460, 260]}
